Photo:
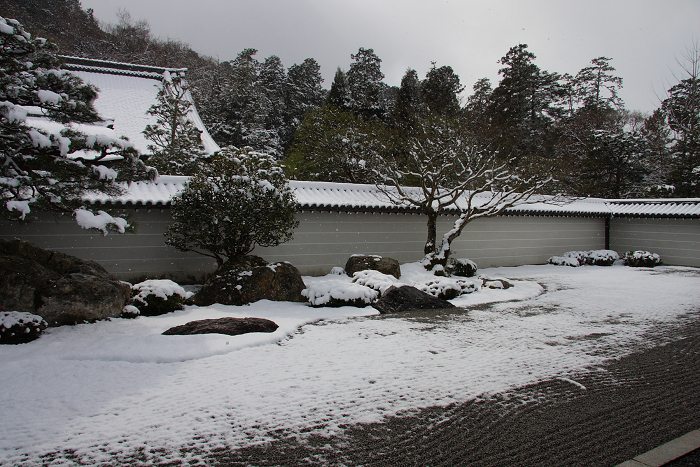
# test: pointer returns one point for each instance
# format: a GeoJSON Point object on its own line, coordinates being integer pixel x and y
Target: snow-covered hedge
{"type": "Point", "coordinates": [580, 258]}
{"type": "Point", "coordinates": [156, 297]}
{"type": "Point", "coordinates": [641, 259]}
{"type": "Point", "coordinates": [336, 294]}
{"type": "Point", "coordinates": [448, 288]}
{"type": "Point", "coordinates": [375, 280]}
{"type": "Point", "coordinates": [18, 327]}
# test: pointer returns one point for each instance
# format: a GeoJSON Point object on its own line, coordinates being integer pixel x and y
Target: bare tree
{"type": "Point", "coordinates": [444, 169]}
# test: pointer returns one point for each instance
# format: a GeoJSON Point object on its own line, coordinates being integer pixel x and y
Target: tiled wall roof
{"type": "Point", "coordinates": [351, 197]}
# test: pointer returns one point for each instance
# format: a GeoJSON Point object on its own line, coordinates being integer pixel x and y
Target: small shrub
{"type": "Point", "coordinates": [18, 327]}
{"type": "Point", "coordinates": [641, 259]}
{"type": "Point", "coordinates": [462, 267]}
{"type": "Point", "coordinates": [337, 294]}
{"type": "Point", "coordinates": [157, 297]}
{"type": "Point", "coordinates": [590, 257]}
{"type": "Point", "coordinates": [374, 280]}
{"type": "Point", "coordinates": [447, 289]}
{"type": "Point", "coordinates": [130, 312]}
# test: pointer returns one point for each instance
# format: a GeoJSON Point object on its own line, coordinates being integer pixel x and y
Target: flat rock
{"type": "Point", "coordinates": [407, 298]}
{"type": "Point", "coordinates": [228, 326]}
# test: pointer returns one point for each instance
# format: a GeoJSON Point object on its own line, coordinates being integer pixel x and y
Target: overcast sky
{"type": "Point", "coordinates": [643, 37]}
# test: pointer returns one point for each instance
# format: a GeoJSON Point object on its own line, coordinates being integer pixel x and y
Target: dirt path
{"type": "Point", "coordinates": [628, 406]}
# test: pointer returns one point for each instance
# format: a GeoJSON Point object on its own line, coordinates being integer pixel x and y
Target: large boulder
{"type": "Point", "coordinates": [358, 263]}
{"type": "Point", "coordinates": [60, 288]}
{"type": "Point", "coordinates": [228, 326]}
{"type": "Point", "coordinates": [250, 278]}
{"type": "Point", "coordinates": [407, 298]}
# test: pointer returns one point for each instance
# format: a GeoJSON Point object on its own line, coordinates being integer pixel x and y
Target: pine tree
{"type": "Point", "coordinates": [237, 202]}
{"type": "Point", "coordinates": [441, 90]}
{"type": "Point", "coordinates": [177, 146]}
{"type": "Point", "coordinates": [44, 168]}
{"type": "Point", "coordinates": [682, 109]}
{"type": "Point", "coordinates": [365, 85]}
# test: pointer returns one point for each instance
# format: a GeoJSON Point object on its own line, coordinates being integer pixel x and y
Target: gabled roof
{"type": "Point", "coordinates": [126, 92]}
{"type": "Point", "coordinates": [325, 196]}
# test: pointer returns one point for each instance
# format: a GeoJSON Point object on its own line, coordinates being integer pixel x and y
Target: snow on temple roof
{"type": "Point", "coordinates": [326, 196]}
{"type": "Point", "coordinates": [126, 92]}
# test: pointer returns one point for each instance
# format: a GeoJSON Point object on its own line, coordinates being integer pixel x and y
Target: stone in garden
{"type": "Point", "coordinates": [250, 278]}
{"type": "Point", "coordinates": [384, 265]}
{"type": "Point", "coordinates": [60, 288]}
{"type": "Point", "coordinates": [493, 283]}
{"type": "Point", "coordinates": [407, 298]}
{"type": "Point", "coordinates": [228, 326]}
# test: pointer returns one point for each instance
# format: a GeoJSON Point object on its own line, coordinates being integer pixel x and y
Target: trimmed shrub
{"type": "Point", "coordinates": [462, 267]}
{"type": "Point", "coordinates": [447, 289]}
{"type": "Point", "coordinates": [641, 259]}
{"type": "Point", "coordinates": [19, 327]}
{"type": "Point", "coordinates": [337, 294]}
{"type": "Point", "coordinates": [156, 297]}
{"type": "Point", "coordinates": [374, 280]}
{"type": "Point", "coordinates": [590, 257]}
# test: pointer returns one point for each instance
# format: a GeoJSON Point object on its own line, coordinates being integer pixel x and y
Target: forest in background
{"type": "Point", "coordinates": [574, 127]}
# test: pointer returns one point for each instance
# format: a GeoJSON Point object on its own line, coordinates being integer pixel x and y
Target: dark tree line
{"type": "Point", "coordinates": [573, 127]}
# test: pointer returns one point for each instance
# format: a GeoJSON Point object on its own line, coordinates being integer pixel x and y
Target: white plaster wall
{"type": "Point", "coordinates": [677, 241]}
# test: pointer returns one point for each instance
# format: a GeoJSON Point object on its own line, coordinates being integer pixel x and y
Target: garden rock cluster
{"type": "Point", "coordinates": [247, 279]}
{"type": "Point", "coordinates": [60, 288]}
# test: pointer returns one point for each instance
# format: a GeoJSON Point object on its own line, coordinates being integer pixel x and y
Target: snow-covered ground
{"type": "Point", "coordinates": [95, 392]}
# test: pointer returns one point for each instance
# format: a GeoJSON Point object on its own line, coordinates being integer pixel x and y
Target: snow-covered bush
{"type": "Point", "coordinates": [374, 280]}
{"type": "Point", "coordinates": [130, 312]}
{"type": "Point", "coordinates": [336, 294]}
{"type": "Point", "coordinates": [462, 267]}
{"type": "Point", "coordinates": [48, 163]}
{"type": "Point", "coordinates": [157, 297]}
{"type": "Point", "coordinates": [448, 288]}
{"type": "Point", "coordinates": [18, 327]}
{"type": "Point", "coordinates": [590, 257]}
{"type": "Point", "coordinates": [238, 201]}
{"type": "Point", "coordinates": [641, 259]}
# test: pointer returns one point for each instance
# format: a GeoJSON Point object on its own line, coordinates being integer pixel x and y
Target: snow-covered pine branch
{"type": "Point", "coordinates": [48, 162]}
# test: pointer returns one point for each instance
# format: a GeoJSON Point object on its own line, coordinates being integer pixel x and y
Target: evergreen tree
{"type": "Point", "coordinates": [525, 105]}
{"type": "Point", "coordinates": [682, 109]}
{"type": "Point", "coordinates": [409, 108]}
{"type": "Point", "coordinates": [176, 147]}
{"type": "Point", "coordinates": [42, 167]}
{"type": "Point", "coordinates": [596, 88]}
{"type": "Point", "coordinates": [237, 202]}
{"type": "Point", "coordinates": [334, 145]}
{"type": "Point", "coordinates": [441, 90]}
{"type": "Point", "coordinates": [339, 95]}
{"type": "Point", "coordinates": [303, 92]}
{"type": "Point", "coordinates": [365, 85]}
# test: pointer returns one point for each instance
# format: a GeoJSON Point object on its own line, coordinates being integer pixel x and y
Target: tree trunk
{"type": "Point", "coordinates": [429, 248]}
